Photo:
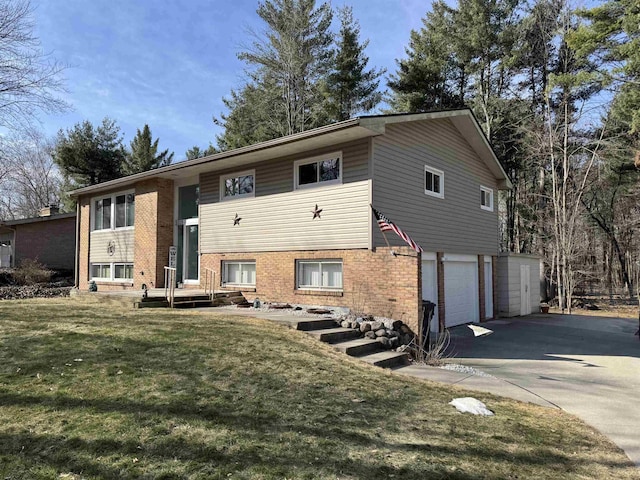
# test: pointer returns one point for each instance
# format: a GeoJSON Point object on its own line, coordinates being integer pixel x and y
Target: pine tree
{"type": "Point", "coordinates": [351, 88]}
{"type": "Point", "coordinates": [196, 152]}
{"type": "Point", "coordinates": [88, 155]}
{"type": "Point", "coordinates": [286, 67]}
{"type": "Point", "coordinates": [144, 154]}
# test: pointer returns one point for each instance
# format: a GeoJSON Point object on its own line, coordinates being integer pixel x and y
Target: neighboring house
{"type": "Point", "coordinates": [251, 216]}
{"type": "Point", "coordinates": [50, 239]}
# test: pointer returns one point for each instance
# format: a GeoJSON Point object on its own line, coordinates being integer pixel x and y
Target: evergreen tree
{"type": "Point", "coordinates": [196, 152]}
{"type": "Point", "coordinates": [144, 154]}
{"type": "Point", "coordinates": [88, 155]}
{"type": "Point", "coordinates": [431, 77]}
{"type": "Point", "coordinates": [350, 87]}
{"type": "Point", "coordinates": [287, 65]}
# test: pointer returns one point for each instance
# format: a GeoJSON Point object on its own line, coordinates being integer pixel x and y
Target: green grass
{"type": "Point", "coordinates": [167, 394]}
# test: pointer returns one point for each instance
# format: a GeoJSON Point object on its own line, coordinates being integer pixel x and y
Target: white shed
{"type": "Point", "coordinates": [518, 284]}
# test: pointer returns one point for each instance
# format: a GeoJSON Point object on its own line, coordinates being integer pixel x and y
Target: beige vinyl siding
{"type": "Point", "coordinates": [453, 224]}
{"type": "Point", "coordinates": [276, 176]}
{"type": "Point", "coordinates": [99, 242]}
{"type": "Point", "coordinates": [284, 221]}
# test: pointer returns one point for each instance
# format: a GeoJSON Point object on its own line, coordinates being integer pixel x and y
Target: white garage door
{"type": "Point", "coordinates": [460, 292]}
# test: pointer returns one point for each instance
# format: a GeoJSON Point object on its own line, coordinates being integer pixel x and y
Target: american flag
{"type": "Point", "coordinates": [385, 225]}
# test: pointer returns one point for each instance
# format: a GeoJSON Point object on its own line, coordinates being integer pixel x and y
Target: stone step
{"type": "Point", "coordinates": [386, 359]}
{"type": "Point", "coordinates": [316, 324]}
{"type": "Point", "coordinates": [358, 346]}
{"type": "Point", "coordinates": [334, 335]}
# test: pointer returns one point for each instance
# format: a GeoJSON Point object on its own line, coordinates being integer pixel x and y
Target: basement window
{"type": "Point", "coordinates": [123, 271]}
{"type": "Point", "coordinates": [101, 271]}
{"type": "Point", "coordinates": [241, 273]}
{"type": "Point", "coordinates": [319, 274]}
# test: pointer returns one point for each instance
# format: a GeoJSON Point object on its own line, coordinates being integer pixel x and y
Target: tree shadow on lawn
{"type": "Point", "coordinates": [311, 448]}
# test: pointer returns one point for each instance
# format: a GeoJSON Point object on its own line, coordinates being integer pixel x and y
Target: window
{"type": "Point", "coordinates": [109, 272]}
{"type": "Point", "coordinates": [237, 185]}
{"type": "Point", "coordinates": [123, 271]}
{"type": "Point", "coordinates": [188, 200]}
{"type": "Point", "coordinates": [319, 170]}
{"type": "Point", "coordinates": [319, 274]}
{"type": "Point", "coordinates": [486, 198]}
{"type": "Point", "coordinates": [239, 273]}
{"type": "Point", "coordinates": [433, 182]}
{"type": "Point", "coordinates": [101, 271]}
{"type": "Point", "coordinates": [114, 211]}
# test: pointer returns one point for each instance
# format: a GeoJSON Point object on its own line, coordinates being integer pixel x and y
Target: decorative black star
{"type": "Point", "coordinates": [236, 221]}
{"type": "Point", "coordinates": [316, 212]}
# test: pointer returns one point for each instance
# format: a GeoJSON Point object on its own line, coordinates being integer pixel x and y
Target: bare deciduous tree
{"type": "Point", "coordinates": [30, 80]}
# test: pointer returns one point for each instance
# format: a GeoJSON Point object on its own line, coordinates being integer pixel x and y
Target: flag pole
{"type": "Point", "coordinates": [384, 235]}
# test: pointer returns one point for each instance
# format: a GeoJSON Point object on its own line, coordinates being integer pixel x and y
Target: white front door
{"type": "Point", "coordinates": [188, 257]}
{"type": "Point", "coordinates": [461, 291]}
{"type": "Point", "coordinates": [525, 290]}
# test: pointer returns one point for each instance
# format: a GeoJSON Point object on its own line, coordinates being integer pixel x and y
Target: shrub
{"type": "Point", "coordinates": [31, 271]}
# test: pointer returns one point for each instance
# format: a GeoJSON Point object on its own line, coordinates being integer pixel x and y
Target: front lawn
{"type": "Point", "coordinates": [93, 391]}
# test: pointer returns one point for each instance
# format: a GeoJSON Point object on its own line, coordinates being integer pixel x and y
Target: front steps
{"type": "Point", "coordinates": [349, 341]}
{"type": "Point", "coordinates": [186, 300]}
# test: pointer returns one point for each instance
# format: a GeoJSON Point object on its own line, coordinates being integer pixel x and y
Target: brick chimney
{"type": "Point", "coordinates": [49, 210]}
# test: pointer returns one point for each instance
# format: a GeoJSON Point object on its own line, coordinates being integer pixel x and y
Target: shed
{"type": "Point", "coordinates": [518, 278]}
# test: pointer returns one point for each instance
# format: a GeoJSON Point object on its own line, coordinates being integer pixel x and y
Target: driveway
{"type": "Point", "coordinates": [588, 366]}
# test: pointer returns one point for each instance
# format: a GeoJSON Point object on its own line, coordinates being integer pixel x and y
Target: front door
{"type": "Point", "coordinates": [188, 258]}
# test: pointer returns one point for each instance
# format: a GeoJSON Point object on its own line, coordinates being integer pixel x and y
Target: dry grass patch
{"type": "Point", "coordinates": [91, 392]}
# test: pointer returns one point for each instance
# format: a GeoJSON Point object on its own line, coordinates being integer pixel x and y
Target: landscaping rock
{"type": "Point", "coordinates": [384, 341]}
{"type": "Point", "coordinates": [405, 329]}
{"type": "Point", "coordinates": [406, 339]}
{"type": "Point", "coordinates": [381, 332]}
{"type": "Point", "coordinates": [397, 324]}
{"type": "Point", "coordinates": [345, 324]}
{"type": "Point", "coordinates": [370, 334]}
{"type": "Point", "coordinates": [393, 333]}
{"type": "Point", "coordinates": [365, 327]}
{"type": "Point", "coordinates": [394, 342]}
{"type": "Point", "coordinates": [376, 326]}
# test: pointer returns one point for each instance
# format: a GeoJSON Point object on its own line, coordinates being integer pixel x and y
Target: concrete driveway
{"type": "Point", "coordinates": [588, 366]}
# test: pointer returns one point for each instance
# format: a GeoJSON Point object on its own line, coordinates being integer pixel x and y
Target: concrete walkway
{"type": "Point", "coordinates": [587, 366]}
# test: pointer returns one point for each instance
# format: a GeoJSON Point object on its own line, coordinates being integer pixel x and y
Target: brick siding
{"type": "Point", "coordinates": [51, 241]}
{"type": "Point", "coordinates": [375, 282]}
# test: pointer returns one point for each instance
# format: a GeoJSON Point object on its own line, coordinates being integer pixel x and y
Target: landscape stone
{"type": "Point", "coordinates": [376, 326]}
{"type": "Point", "coordinates": [384, 341]}
{"type": "Point", "coordinates": [381, 332]}
{"type": "Point", "coordinates": [365, 327]}
{"type": "Point", "coordinates": [370, 334]}
{"type": "Point", "coordinates": [346, 324]}
{"type": "Point", "coordinates": [394, 342]}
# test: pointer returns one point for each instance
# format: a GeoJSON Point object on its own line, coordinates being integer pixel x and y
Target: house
{"type": "Point", "coordinates": [289, 220]}
{"type": "Point", "coordinates": [49, 238]}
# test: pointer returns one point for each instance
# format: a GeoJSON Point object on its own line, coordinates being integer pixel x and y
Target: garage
{"type": "Point", "coordinates": [460, 289]}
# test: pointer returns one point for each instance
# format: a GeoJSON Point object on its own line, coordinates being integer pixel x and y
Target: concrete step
{"type": "Point", "coordinates": [334, 335]}
{"type": "Point", "coordinates": [316, 324]}
{"type": "Point", "coordinates": [386, 359]}
{"type": "Point", "coordinates": [358, 346]}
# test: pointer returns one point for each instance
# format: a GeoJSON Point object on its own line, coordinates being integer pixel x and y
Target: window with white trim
{"type": "Point", "coordinates": [322, 170]}
{"type": "Point", "coordinates": [112, 272]}
{"type": "Point", "coordinates": [237, 185]}
{"type": "Point", "coordinates": [319, 274]}
{"type": "Point", "coordinates": [114, 211]}
{"type": "Point", "coordinates": [433, 182]}
{"type": "Point", "coordinates": [239, 273]}
{"type": "Point", "coordinates": [486, 198]}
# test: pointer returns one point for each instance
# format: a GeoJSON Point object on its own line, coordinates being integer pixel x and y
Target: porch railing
{"type": "Point", "coordinates": [169, 284]}
{"type": "Point", "coordinates": [209, 282]}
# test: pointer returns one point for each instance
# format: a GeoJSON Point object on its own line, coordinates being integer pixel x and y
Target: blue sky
{"type": "Point", "coordinates": [168, 63]}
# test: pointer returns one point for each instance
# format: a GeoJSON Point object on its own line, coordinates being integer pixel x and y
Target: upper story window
{"type": "Point", "coordinates": [114, 211]}
{"type": "Point", "coordinates": [486, 198]}
{"type": "Point", "coordinates": [433, 182]}
{"type": "Point", "coordinates": [237, 185]}
{"type": "Point", "coordinates": [322, 170]}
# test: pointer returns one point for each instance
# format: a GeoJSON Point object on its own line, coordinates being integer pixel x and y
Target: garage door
{"type": "Point", "coordinates": [460, 292]}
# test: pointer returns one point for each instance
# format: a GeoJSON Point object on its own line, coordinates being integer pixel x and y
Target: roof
{"type": "Point", "coordinates": [340, 132]}
{"type": "Point", "coordinates": [21, 221]}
